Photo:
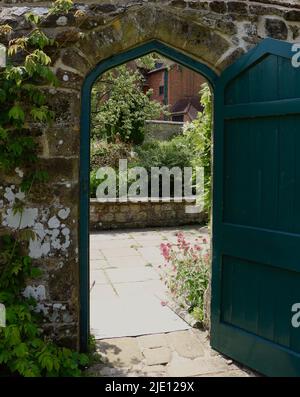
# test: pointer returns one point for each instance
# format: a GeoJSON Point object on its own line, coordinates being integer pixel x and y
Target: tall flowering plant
{"type": "Point", "coordinates": [186, 272]}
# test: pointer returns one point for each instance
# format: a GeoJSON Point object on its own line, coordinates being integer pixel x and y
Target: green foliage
{"type": "Point", "coordinates": [108, 154]}
{"type": "Point", "coordinates": [120, 108]}
{"type": "Point", "coordinates": [199, 133]}
{"type": "Point", "coordinates": [173, 153]}
{"type": "Point", "coordinates": [22, 100]}
{"type": "Point", "coordinates": [186, 273]}
{"type": "Point", "coordinates": [147, 62]}
{"type": "Point", "coordinates": [24, 349]}
{"type": "Point", "coordinates": [61, 7]}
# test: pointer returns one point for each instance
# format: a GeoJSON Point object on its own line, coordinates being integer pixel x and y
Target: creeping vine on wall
{"type": "Point", "coordinates": [24, 349]}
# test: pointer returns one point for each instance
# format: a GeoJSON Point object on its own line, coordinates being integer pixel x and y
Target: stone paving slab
{"type": "Point", "coordinates": [158, 356]}
{"type": "Point", "coordinates": [126, 261]}
{"type": "Point", "coordinates": [139, 335]}
{"type": "Point", "coordinates": [131, 274]}
{"type": "Point", "coordinates": [96, 264]}
{"type": "Point", "coordinates": [121, 315]}
{"type": "Point", "coordinates": [125, 264]}
{"type": "Point", "coordinates": [186, 344]}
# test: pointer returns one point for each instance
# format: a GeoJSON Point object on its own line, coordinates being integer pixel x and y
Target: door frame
{"type": "Point", "coordinates": [102, 67]}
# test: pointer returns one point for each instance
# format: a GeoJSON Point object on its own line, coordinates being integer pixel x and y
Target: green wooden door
{"type": "Point", "coordinates": [256, 211]}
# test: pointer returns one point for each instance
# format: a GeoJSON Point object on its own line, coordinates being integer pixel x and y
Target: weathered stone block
{"type": "Point", "coordinates": [218, 6]}
{"type": "Point", "coordinates": [120, 217]}
{"type": "Point", "coordinates": [276, 29]}
{"type": "Point", "coordinates": [66, 106]}
{"type": "Point", "coordinates": [64, 141]}
{"type": "Point", "coordinates": [256, 9]}
{"type": "Point", "coordinates": [69, 79]}
{"type": "Point", "coordinates": [186, 344]}
{"type": "Point", "coordinates": [62, 282]}
{"type": "Point", "coordinates": [60, 170]}
{"type": "Point", "coordinates": [227, 27]}
{"type": "Point", "coordinates": [106, 217]}
{"type": "Point", "coordinates": [293, 15]}
{"type": "Point", "coordinates": [58, 20]}
{"type": "Point", "coordinates": [295, 31]}
{"type": "Point", "coordinates": [237, 7]}
{"type": "Point", "coordinates": [203, 5]}
{"type": "Point", "coordinates": [104, 8]}
{"type": "Point", "coordinates": [72, 58]}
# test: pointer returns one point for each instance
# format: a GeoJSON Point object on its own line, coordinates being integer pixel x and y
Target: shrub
{"type": "Point", "coordinates": [199, 133]}
{"type": "Point", "coordinates": [120, 107]}
{"type": "Point", "coordinates": [186, 273]}
{"type": "Point", "coordinates": [173, 153]}
{"type": "Point", "coordinates": [108, 154]}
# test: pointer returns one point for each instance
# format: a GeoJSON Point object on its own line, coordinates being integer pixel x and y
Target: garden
{"type": "Point", "coordinates": [120, 110]}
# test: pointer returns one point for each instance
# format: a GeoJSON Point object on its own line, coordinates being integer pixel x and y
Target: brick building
{"type": "Point", "coordinates": [177, 87]}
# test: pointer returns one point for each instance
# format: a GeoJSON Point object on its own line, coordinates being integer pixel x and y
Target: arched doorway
{"type": "Point", "coordinates": [255, 237]}
{"type": "Point", "coordinates": [152, 46]}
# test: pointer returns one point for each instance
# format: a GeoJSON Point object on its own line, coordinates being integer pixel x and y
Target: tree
{"type": "Point", "coordinates": [199, 133]}
{"type": "Point", "coordinates": [120, 107]}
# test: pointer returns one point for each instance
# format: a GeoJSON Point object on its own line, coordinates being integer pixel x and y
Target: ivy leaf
{"type": "Point", "coordinates": [5, 29]}
{"type": "Point", "coordinates": [15, 73]}
{"type": "Point", "coordinates": [3, 133]}
{"type": "Point", "coordinates": [35, 272]}
{"type": "Point", "coordinates": [16, 113]}
{"type": "Point", "coordinates": [16, 45]}
{"type": "Point", "coordinates": [2, 95]}
{"type": "Point", "coordinates": [4, 356]}
{"type": "Point", "coordinates": [61, 7]}
{"type": "Point", "coordinates": [16, 148]}
{"type": "Point", "coordinates": [39, 39]}
{"type": "Point", "coordinates": [39, 114]}
{"type": "Point", "coordinates": [33, 18]}
{"type": "Point", "coordinates": [83, 359]}
{"type": "Point", "coordinates": [12, 334]}
{"type": "Point", "coordinates": [45, 360]}
{"type": "Point", "coordinates": [21, 350]}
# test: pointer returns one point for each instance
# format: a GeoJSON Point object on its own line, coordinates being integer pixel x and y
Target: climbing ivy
{"type": "Point", "coordinates": [24, 349]}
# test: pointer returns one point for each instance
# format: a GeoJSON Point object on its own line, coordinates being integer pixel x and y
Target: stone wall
{"type": "Point", "coordinates": [214, 32]}
{"type": "Point", "coordinates": [162, 130]}
{"type": "Point", "coordinates": [124, 215]}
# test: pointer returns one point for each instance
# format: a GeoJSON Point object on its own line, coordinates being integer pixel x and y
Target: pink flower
{"type": "Point", "coordinates": [197, 247]}
{"type": "Point", "coordinates": [165, 249]}
{"type": "Point", "coordinates": [163, 303]}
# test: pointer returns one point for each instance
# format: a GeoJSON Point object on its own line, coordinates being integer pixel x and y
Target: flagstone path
{"type": "Point", "coordinates": [137, 332]}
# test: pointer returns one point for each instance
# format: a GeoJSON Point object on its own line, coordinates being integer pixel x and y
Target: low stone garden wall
{"type": "Point", "coordinates": [122, 215]}
{"type": "Point", "coordinates": [162, 130]}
